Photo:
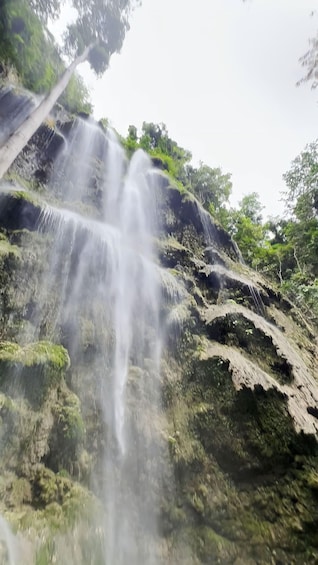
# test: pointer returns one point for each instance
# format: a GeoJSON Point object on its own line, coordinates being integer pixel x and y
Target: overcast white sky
{"type": "Point", "coordinates": [221, 75]}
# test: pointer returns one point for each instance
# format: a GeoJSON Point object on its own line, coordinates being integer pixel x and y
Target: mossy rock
{"type": "Point", "coordinates": [171, 252]}
{"type": "Point", "coordinates": [61, 525]}
{"type": "Point", "coordinates": [32, 370]}
{"type": "Point", "coordinates": [19, 210]}
{"type": "Point", "coordinates": [7, 249]}
{"type": "Point", "coordinates": [39, 353]}
{"type": "Point", "coordinates": [252, 429]}
{"type": "Point", "coordinates": [67, 437]}
{"type": "Point", "coordinates": [246, 480]}
{"type": "Point", "coordinates": [18, 492]}
{"type": "Point", "coordinates": [209, 546]}
{"type": "Point", "coordinates": [238, 331]}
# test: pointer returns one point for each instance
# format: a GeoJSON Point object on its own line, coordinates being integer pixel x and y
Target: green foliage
{"type": "Point", "coordinates": [302, 203]}
{"type": "Point", "coordinates": [285, 250]}
{"type": "Point", "coordinates": [251, 207]}
{"type": "Point", "coordinates": [300, 232]}
{"type": "Point", "coordinates": [70, 424]}
{"type": "Point", "coordinates": [24, 44]}
{"type": "Point", "coordinates": [101, 25]}
{"type": "Point", "coordinates": [245, 226]}
{"type": "Point", "coordinates": [75, 97]}
{"type": "Point", "coordinates": [44, 9]}
{"type": "Point", "coordinates": [210, 186]}
{"type": "Point", "coordinates": [31, 49]}
{"type": "Point", "coordinates": [301, 196]}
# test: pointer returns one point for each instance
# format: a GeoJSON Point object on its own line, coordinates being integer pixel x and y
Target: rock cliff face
{"type": "Point", "coordinates": [236, 465]}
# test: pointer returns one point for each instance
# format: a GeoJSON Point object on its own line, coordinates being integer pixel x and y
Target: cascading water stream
{"type": "Point", "coordinates": [8, 550]}
{"type": "Point", "coordinates": [101, 278]}
{"type": "Point", "coordinates": [209, 238]}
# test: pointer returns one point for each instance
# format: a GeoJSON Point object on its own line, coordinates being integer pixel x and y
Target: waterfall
{"type": "Point", "coordinates": [99, 296]}
{"type": "Point", "coordinates": [8, 546]}
{"type": "Point", "coordinates": [209, 236]}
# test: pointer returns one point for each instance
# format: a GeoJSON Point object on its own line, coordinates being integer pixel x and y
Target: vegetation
{"type": "Point", "coordinates": [101, 26]}
{"type": "Point", "coordinates": [209, 185]}
{"type": "Point", "coordinates": [97, 32]}
{"type": "Point", "coordinates": [31, 50]}
{"type": "Point", "coordinates": [284, 249]}
{"type": "Point", "coordinates": [220, 438]}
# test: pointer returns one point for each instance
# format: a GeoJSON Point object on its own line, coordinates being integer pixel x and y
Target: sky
{"type": "Point", "coordinates": [221, 74]}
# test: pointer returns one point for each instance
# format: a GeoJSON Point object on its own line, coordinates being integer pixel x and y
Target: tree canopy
{"type": "Point", "coordinates": [45, 9]}
{"type": "Point", "coordinates": [100, 24]}
{"type": "Point", "coordinates": [31, 50]}
{"type": "Point", "coordinates": [97, 32]}
{"type": "Point", "coordinates": [210, 185]}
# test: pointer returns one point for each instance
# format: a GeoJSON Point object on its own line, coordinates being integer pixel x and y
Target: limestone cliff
{"type": "Point", "coordinates": [236, 461]}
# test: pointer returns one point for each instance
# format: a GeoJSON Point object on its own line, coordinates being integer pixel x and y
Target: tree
{"type": "Point", "coordinates": [155, 139]}
{"type": "Point", "coordinates": [302, 183]}
{"type": "Point", "coordinates": [46, 10]}
{"type": "Point", "coordinates": [210, 186]}
{"type": "Point", "coordinates": [301, 200]}
{"type": "Point", "coordinates": [251, 207]}
{"type": "Point", "coordinates": [245, 226]}
{"type": "Point", "coordinates": [98, 31]}
{"type": "Point", "coordinates": [310, 61]}
{"type": "Point", "coordinates": [301, 196]}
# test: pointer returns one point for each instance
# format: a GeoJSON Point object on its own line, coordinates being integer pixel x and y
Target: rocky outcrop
{"type": "Point", "coordinates": [242, 403]}
{"type": "Point", "coordinates": [239, 391]}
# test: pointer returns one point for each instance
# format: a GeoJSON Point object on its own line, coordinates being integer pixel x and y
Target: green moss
{"type": "Point", "coordinates": [209, 546]}
{"type": "Point", "coordinates": [70, 420]}
{"type": "Point", "coordinates": [6, 248]}
{"type": "Point", "coordinates": [34, 368]}
{"type": "Point", "coordinates": [25, 184]}
{"type": "Point", "coordinates": [24, 195]}
{"type": "Point", "coordinates": [49, 487]}
{"type": "Point", "coordinates": [67, 437]}
{"type": "Point", "coordinates": [6, 403]}
{"type": "Point", "coordinates": [82, 546]}
{"type": "Point", "coordinates": [20, 492]}
{"type": "Point", "coordinates": [63, 521]}
{"type": "Point", "coordinates": [35, 354]}
{"type": "Point", "coordinates": [246, 481]}
{"type": "Point", "coordinates": [252, 428]}
{"type": "Point", "coordinates": [312, 480]}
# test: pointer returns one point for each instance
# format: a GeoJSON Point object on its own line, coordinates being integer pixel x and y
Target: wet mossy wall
{"type": "Point", "coordinates": [240, 484]}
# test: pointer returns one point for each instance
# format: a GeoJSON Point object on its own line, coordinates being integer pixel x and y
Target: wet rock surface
{"type": "Point", "coordinates": [239, 390]}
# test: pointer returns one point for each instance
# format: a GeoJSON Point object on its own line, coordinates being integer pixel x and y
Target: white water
{"type": "Point", "coordinates": [101, 279]}
{"type": "Point", "coordinates": [8, 549]}
{"type": "Point", "coordinates": [118, 250]}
